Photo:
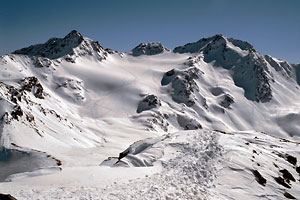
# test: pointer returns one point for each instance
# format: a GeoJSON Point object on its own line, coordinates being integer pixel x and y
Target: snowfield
{"type": "Point", "coordinates": [181, 165]}
{"type": "Point", "coordinates": [213, 119]}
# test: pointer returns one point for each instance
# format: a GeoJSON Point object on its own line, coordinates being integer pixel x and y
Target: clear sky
{"type": "Point", "coordinates": [271, 26]}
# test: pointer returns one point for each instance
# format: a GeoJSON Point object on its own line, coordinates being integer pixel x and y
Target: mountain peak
{"type": "Point", "coordinates": [73, 34]}
{"type": "Point", "coordinates": [150, 48]}
{"type": "Point", "coordinates": [218, 37]}
{"type": "Point", "coordinates": [249, 68]}
{"type": "Point", "coordinates": [56, 48]}
{"type": "Point", "coordinates": [216, 41]}
{"type": "Point", "coordinates": [196, 46]}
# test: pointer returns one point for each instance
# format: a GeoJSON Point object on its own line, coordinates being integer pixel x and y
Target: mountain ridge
{"type": "Point", "coordinates": [75, 35]}
{"type": "Point", "coordinates": [69, 47]}
{"type": "Point", "coordinates": [72, 109]}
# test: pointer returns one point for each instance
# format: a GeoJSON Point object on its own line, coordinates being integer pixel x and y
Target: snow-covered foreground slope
{"type": "Point", "coordinates": [69, 104]}
{"type": "Point", "coordinates": [257, 166]}
{"type": "Point", "coordinates": [182, 165]}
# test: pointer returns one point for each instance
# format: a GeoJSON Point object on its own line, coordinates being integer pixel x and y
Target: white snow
{"type": "Point", "coordinates": [93, 108]}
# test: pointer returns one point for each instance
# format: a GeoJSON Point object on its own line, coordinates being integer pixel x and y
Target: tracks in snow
{"type": "Point", "coordinates": [187, 175]}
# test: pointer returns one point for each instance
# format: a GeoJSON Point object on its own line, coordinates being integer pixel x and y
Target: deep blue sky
{"type": "Point", "coordinates": [272, 26]}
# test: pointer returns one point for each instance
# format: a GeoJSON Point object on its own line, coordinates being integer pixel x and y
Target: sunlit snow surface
{"type": "Point", "coordinates": [184, 165]}
{"type": "Point", "coordinates": [76, 113]}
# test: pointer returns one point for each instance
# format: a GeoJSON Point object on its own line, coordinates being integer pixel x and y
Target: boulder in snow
{"type": "Point", "coordinates": [149, 102]}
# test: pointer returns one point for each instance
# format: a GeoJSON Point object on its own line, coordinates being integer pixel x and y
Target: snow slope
{"type": "Point", "coordinates": [74, 104]}
{"type": "Point", "coordinates": [181, 165]}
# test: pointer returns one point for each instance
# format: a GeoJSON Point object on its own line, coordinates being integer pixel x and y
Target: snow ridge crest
{"type": "Point", "coordinates": [71, 46]}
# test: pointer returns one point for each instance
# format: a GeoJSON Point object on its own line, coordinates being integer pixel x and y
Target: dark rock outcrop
{"type": "Point", "coordinates": [227, 101]}
{"type": "Point", "coordinates": [149, 102]}
{"type": "Point", "coordinates": [55, 47]}
{"type": "Point", "coordinates": [288, 195]}
{"type": "Point", "coordinates": [284, 67]}
{"type": "Point", "coordinates": [17, 112]}
{"type": "Point", "coordinates": [291, 159]}
{"type": "Point", "coordinates": [259, 178]}
{"type": "Point", "coordinates": [151, 48]}
{"type": "Point", "coordinates": [287, 175]}
{"type": "Point", "coordinates": [32, 84]}
{"type": "Point", "coordinates": [40, 62]}
{"type": "Point", "coordinates": [7, 197]}
{"type": "Point", "coordinates": [183, 84]}
{"type": "Point", "coordinates": [249, 68]}
{"type": "Point", "coordinates": [70, 47]}
{"type": "Point", "coordinates": [298, 170]}
{"type": "Point", "coordinates": [188, 123]}
{"type": "Point", "coordinates": [297, 68]}
{"type": "Point", "coordinates": [281, 181]}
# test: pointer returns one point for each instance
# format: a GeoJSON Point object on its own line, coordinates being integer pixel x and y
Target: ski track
{"type": "Point", "coordinates": [187, 176]}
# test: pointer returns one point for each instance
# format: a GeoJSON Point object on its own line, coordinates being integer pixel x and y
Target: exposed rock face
{"type": "Point", "coordinates": [249, 68]}
{"type": "Point", "coordinates": [188, 123]}
{"type": "Point", "coordinates": [263, 91]}
{"type": "Point", "coordinates": [12, 96]}
{"type": "Point", "coordinates": [7, 197]}
{"type": "Point", "coordinates": [227, 101]}
{"type": "Point", "coordinates": [40, 62]}
{"type": "Point", "coordinates": [252, 74]}
{"type": "Point", "coordinates": [149, 102]}
{"type": "Point", "coordinates": [55, 47]}
{"type": "Point", "coordinates": [211, 43]}
{"type": "Point", "coordinates": [183, 84]}
{"type": "Point", "coordinates": [284, 67]}
{"type": "Point", "coordinates": [32, 84]}
{"type": "Point", "coordinates": [151, 48]}
{"type": "Point", "coordinates": [297, 68]}
{"type": "Point", "coordinates": [259, 178]}
{"type": "Point", "coordinates": [192, 47]}
{"type": "Point", "coordinates": [288, 195]}
{"type": "Point", "coordinates": [70, 47]}
{"type": "Point", "coordinates": [17, 112]}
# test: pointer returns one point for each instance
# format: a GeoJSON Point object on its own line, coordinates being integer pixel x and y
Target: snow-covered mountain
{"type": "Point", "coordinates": [188, 117]}
{"type": "Point", "coordinates": [151, 48]}
{"type": "Point", "coordinates": [70, 47]}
